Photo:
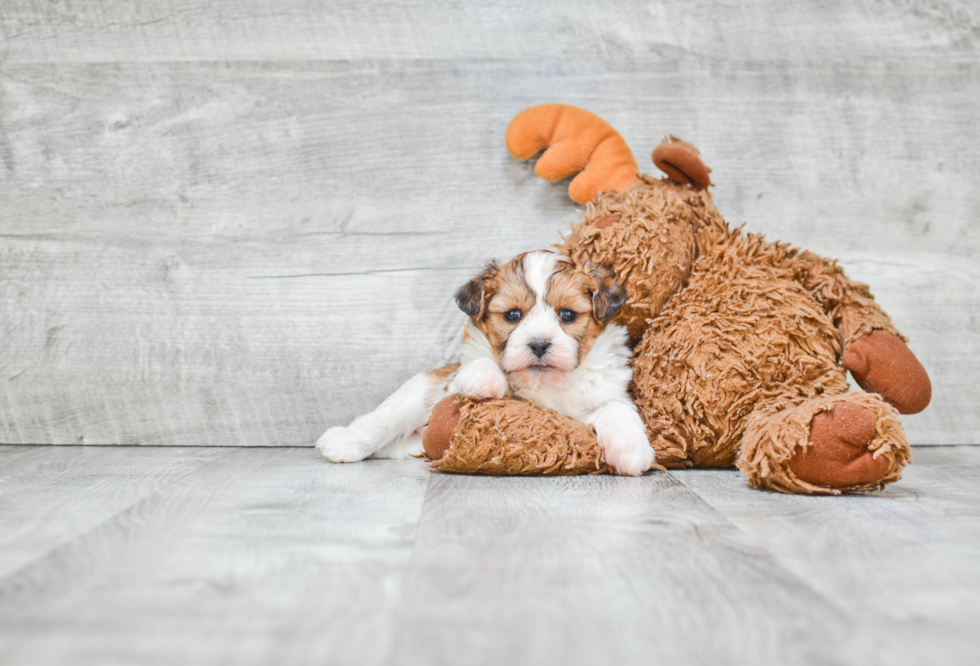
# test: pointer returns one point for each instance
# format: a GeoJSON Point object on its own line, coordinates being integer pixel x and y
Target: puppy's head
{"type": "Point", "coordinates": [541, 313]}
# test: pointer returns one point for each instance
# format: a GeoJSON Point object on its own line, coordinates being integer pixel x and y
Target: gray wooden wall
{"type": "Point", "coordinates": [235, 222]}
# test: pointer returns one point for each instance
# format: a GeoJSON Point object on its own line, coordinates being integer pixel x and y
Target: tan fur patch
{"type": "Point", "coordinates": [507, 290]}
{"type": "Point", "coordinates": [572, 288]}
{"type": "Point", "coordinates": [440, 374]}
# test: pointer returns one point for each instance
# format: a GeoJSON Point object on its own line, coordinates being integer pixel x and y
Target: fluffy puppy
{"type": "Point", "coordinates": [539, 330]}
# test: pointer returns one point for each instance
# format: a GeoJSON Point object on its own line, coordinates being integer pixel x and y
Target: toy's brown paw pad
{"type": "Point", "coordinates": [438, 434]}
{"type": "Point", "coordinates": [882, 363]}
{"type": "Point", "coordinates": [838, 456]}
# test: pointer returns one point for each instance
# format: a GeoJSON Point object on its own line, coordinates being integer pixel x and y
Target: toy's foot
{"type": "Point", "coordinates": [824, 445]}
{"type": "Point", "coordinates": [438, 434]}
{"type": "Point", "coordinates": [882, 363]}
{"type": "Point", "coordinates": [838, 455]}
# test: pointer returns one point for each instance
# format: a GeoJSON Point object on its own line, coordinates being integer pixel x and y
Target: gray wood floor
{"type": "Point", "coordinates": [203, 555]}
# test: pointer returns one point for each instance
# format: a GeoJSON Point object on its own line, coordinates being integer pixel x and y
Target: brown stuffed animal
{"type": "Point", "coordinates": [741, 343]}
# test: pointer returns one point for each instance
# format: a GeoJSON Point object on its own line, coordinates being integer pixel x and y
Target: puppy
{"type": "Point", "coordinates": [539, 330]}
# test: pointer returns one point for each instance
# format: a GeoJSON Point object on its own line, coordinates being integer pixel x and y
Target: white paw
{"type": "Point", "coordinates": [482, 379]}
{"type": "Point", "coordinates": [623, 438]}
{"type": "Point", "coordinates": [628, 459]}
{"type": "Point", "coordinates": [339, 444]}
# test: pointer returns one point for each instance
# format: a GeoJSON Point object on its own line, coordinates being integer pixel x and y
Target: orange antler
{"type": "Point", "coordinates": [574, 141]}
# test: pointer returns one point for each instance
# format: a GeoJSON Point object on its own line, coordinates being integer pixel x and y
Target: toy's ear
{"type": "Point", "coordinates": [682, 163]}
{"type": "Point", "coordinates": [574, 141]}
{"type": "Point", "coordinates": [473, 296]}
{"type": "Point", "coordinates": [608, 296]}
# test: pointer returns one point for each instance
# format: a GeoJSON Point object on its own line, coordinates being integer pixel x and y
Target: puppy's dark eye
{"type": "Point", "coordinates": [512, 315]}
{"type": "Point", "coordinates": [568, 316]}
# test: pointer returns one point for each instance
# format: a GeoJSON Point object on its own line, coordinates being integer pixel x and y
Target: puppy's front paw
{"type": "Point", "coordinates": [628, 459]}
{"type": "Point", "coordinates": [482, 379]}
{"type": "Point", "coordinates": [339, 444]}
{"type": "Point", "coordinates": [623, 438]}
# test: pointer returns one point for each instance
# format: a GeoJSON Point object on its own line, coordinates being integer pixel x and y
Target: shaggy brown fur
{"type": "Point", "coordinates": [648, 243]}
{"type": "Point", "coordinates": [773, 437]}
{"type": "Point", "coordinates": [739, 345]}
{"type": "Point", "coordinates": [516, 438]}
{"type": "Point", "coordinates": [748, 326]}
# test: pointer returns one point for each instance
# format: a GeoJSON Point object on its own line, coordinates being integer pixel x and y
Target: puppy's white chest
{"type": "Point", "coordinates": [563, 399]}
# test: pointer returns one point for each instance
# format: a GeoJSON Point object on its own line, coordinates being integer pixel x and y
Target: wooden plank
{"type": "Point", "coordinates": [12, 455]}
{"type": "Point", "coordinates": [807, 153]}
{"type": "Point", "coordinates": [35, 30]}
{"type": "Point", "coordinates": [594, 570]}
{"type": "Point", "coordinates": [275, 554]}
{"type": "Point", "coordinates": [904, 559]}
{"type": "Point", "coordinates": [946, 455]}
{"type": "Point", "coordinates": [230, 361]}
{"type": "Point", "coordinates": [265, 555]}
{"type": "Point", "coordinates": [50, 496]}
{"type": "Point", "coordinates": [234, 253]}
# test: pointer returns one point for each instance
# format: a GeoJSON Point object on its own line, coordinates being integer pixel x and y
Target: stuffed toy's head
{"type": "Point", "coordinates": [643, 234]}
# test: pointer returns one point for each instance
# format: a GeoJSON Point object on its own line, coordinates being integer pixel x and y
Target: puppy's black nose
{"type": "Point", "coordinates": [539, 347]}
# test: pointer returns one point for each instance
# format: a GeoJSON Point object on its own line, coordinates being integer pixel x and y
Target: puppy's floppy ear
{"type": "Point", "coordinates": [608, 296]}
{"type": "Point", "coordinates": [472, 297]}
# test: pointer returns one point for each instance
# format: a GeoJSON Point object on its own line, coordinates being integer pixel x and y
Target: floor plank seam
{"type": "Point", "coordinates": [754, 543]}
{"type": "Point", "coordinates": [156, 493]}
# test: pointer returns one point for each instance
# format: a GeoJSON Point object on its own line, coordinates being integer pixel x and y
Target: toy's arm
{"type": "Point", "coordinates": [509, 437]}
{"type": "Point", "coordinates": [873, 349]}
{"type": "Point", "coordinates": [849, 303]}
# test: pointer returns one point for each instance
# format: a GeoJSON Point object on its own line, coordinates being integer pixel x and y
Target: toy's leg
{"type": "Point", "coordinates": [872, 348]}
{"type": "Point", "coordinates": [394, 429]}
{"type": "Point", "coordinates": [850, 304]}
{"type": "Point", "coordinates": [882, 363]}
{"type": "Point", "coordinates": [825, 445]}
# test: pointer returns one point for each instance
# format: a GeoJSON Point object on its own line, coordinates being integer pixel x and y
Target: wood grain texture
{"type": "Point", "coordinates": [857, 552]}
{"type": "Point", "coordinates": [588, 570]}
{"type": "Point", "coordinates": [36, 30]}
{"type": "Point", "coordinates": [51, 496]}
{"type": "Point", "coordinates": [256, 555]}
{"type": "Point", "coordinates": [266, 555]}
{"type": "Point", "coordinates": [197, 247]}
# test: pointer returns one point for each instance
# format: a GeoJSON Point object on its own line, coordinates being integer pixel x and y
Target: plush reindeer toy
{"type": "Point", "coordinates": [741, 344]}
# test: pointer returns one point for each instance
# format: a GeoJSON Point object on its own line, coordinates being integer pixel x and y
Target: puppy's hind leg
{"type": "Point", "coordinates": [403, 447]}
{"type": "Point", "coordinates": [391, 430]}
